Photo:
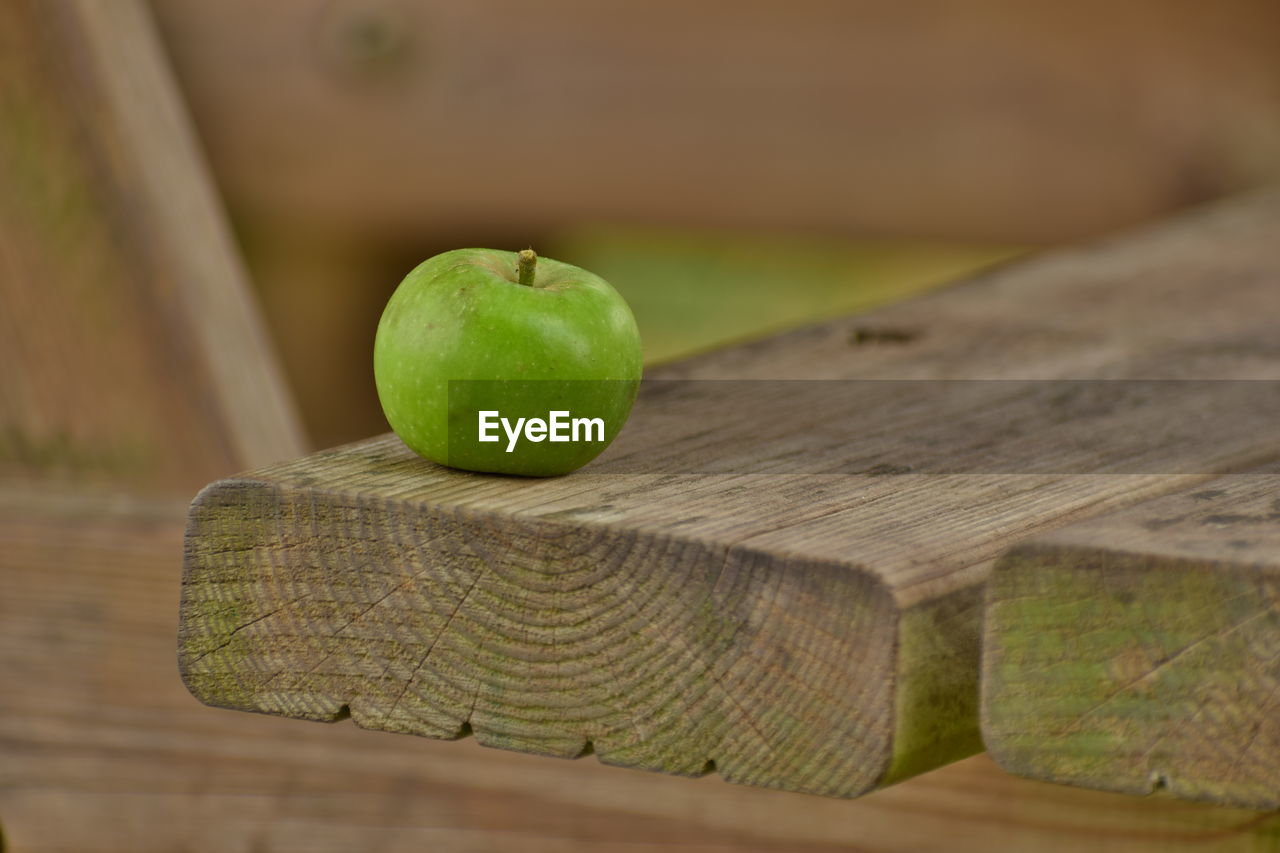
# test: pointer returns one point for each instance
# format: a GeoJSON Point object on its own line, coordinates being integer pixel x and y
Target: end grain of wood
{"type": "Point", "coordinates": [1140, 651]}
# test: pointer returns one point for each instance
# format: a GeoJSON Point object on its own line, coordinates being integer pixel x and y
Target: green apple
{"type": "Point", "coordinates": [506, 362]}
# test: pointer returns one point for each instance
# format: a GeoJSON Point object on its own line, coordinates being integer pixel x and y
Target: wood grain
{"type": "Point", "coordinates": [105, 752]}
{"type": "Point", "coordinates": [810, 631]}
{"type": "Point", "coordinates": [1141, 650]}
{"type": "Point", "coordinates": [122, 299]}
{"type": "Point", "coordinates": [994, 120]}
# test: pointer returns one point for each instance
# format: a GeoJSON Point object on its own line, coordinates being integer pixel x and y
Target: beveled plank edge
{"type": "Point", "coordinates": [893, 761]}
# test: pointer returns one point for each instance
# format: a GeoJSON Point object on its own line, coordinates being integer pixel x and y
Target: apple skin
{"type": "Point", "coordinates": [567, 342]}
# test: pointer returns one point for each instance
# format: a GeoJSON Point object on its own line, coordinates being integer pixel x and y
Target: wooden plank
{"type": "Point", "coordinates": [704, 599]}
{"type": "Point", "coordinates": [995, 120]}
{"type": "Point", "coordinates": [1141, 650]}
{"type": "Point", "coordinates": [122, 297]}
{"type": "Point", "coordinates": [105, 752]}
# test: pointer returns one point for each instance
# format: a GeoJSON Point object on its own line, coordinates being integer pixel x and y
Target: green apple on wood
{"type": "Point", "coordinates": [505, 362]}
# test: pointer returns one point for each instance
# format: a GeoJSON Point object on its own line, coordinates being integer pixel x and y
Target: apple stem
{"type": "Point", "coordinates": [525, 266]}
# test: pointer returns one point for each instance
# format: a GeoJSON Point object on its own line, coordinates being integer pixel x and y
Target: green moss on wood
{"type": "Point", "coordinates": [1135, 672]}
{"type": "Point", "coordinates": [937, 693]}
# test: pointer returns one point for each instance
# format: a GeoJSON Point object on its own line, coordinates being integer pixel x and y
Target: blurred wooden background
{"type": "Point", "coordinates": [353, 138]}
{"type": "Point", "coordinates": [774, 162]}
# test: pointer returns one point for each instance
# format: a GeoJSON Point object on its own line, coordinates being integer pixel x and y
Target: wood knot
{"type": "Point", "coordinates": [864, 335]}
{"type": "Point", "coordinates": [366, 39]}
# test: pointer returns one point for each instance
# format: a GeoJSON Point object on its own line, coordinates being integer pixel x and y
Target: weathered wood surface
{"type": "Point", "coordinates": [105, 752]}
{"type": "Point", "coordinates": [810, 631]}
{"type": "Point", "coordinates": [131, 351]}
{"type": "Point", "coordinates": [1141, 650]}
{"type": "Point", "coordinates": [989, 120]}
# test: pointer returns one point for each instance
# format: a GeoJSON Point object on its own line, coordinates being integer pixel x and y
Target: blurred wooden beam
{"type": "Point", "coordinates": [985, 120]}
{"type": "Point", "coordinates": [1141, 650]}
{"type": "Point", "coordinates": [132, 354]}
